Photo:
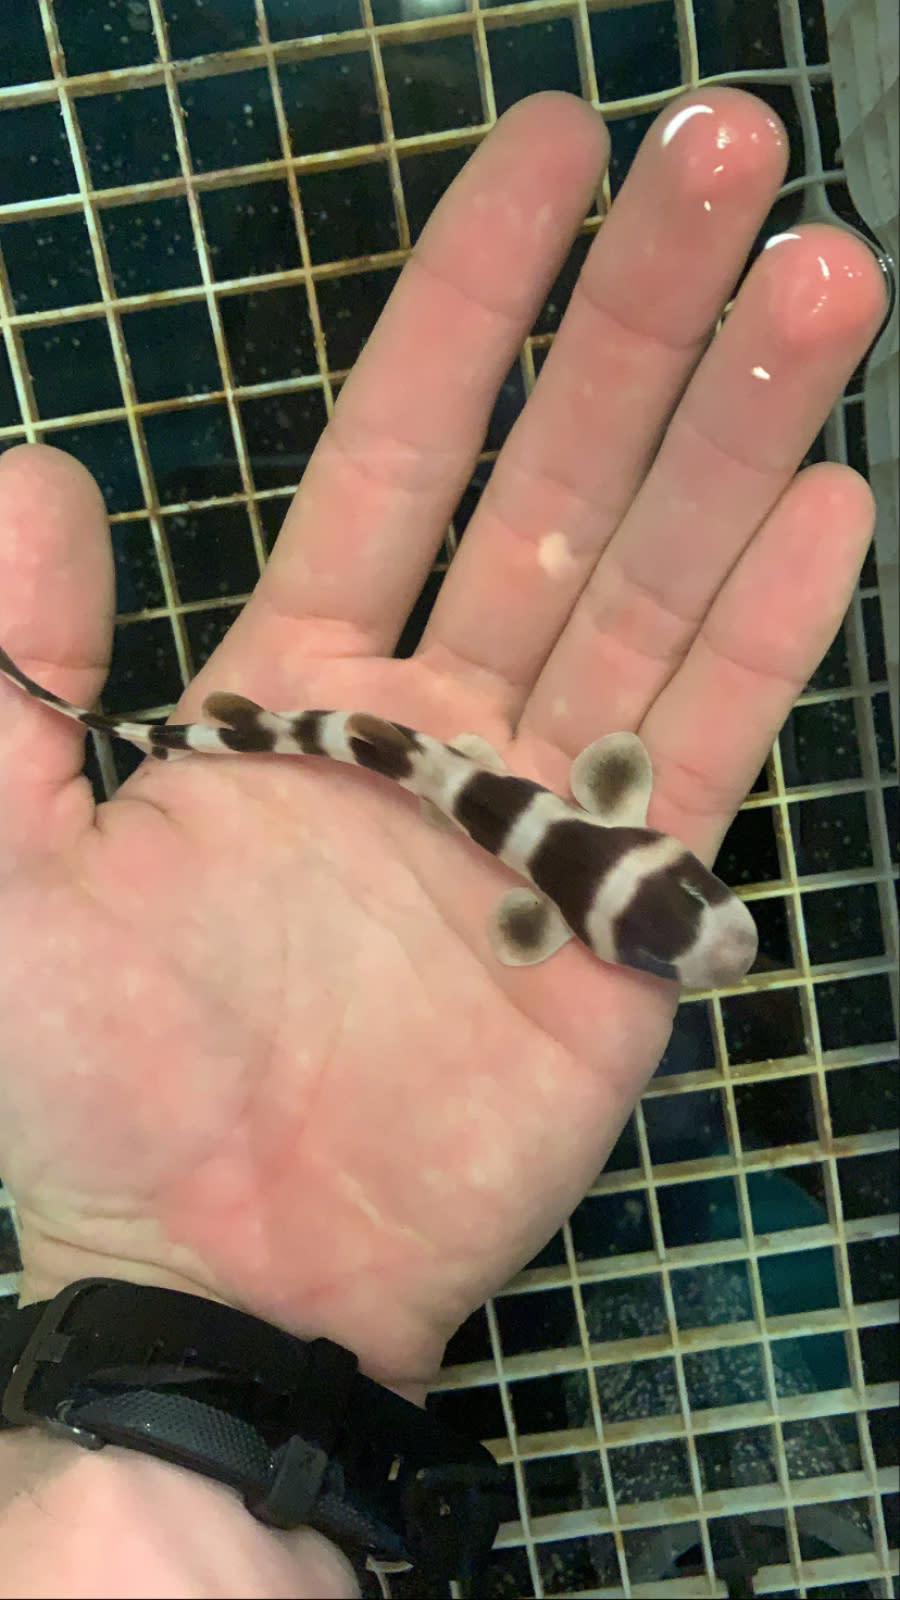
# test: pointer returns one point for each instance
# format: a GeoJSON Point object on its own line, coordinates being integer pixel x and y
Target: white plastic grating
{"type": "Point", "coordinates": [695, 1385]}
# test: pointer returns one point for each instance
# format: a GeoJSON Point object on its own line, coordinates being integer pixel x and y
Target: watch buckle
{"type": "Point", "coordinates": [47, 1344]}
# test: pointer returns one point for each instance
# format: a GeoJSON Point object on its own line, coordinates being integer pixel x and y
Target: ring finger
{"type": "Point", "coordinates": [800, 325]}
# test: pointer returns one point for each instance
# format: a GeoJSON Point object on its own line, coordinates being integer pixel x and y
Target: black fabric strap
{"type": "Point", "coordinates": [292, 1425]}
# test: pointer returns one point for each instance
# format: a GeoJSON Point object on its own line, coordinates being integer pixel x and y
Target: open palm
{"type": "Point", "coordinates": [253, 1040]}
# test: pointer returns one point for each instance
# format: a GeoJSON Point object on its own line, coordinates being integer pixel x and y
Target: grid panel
{"type": "Point", "coordinates": [696, 1372]}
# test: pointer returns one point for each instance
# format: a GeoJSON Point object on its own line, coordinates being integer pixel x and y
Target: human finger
{"type": "Point", "coordinates": [650, 293]}
{"type": "Point", "coordinates": [379, 491]}
{"type": "Point", "coordinates": [800, 325]}
{"type": "Point", "coordinates": [713, 725]}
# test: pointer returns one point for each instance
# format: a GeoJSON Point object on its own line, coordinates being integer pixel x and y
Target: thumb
{"type": "Point", "coordinates": [56, 617]}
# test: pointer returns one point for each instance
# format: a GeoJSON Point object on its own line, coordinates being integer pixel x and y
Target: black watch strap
{"type": "Point", "coordinates": [292, 1425]}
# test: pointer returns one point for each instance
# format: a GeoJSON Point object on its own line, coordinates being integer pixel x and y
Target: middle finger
{"type": "Point", "coordinates": [641, 315]}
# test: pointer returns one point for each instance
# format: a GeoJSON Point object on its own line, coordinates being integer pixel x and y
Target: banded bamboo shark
{"type": "Point", "coordinates": [634, 896]}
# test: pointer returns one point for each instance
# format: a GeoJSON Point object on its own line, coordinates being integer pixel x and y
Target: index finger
{"type": "Point", "coordinates": [380, 489]}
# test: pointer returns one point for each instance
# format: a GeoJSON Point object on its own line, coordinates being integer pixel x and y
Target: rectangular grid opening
{"type": "Point", "coordinates": [698, 1369]}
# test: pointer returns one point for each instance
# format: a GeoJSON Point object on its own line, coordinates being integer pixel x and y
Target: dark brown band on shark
{"type": "Point", "coordinates": [694, 874]}
{"type": "Point", "coordinates": [243, 728]}
{"type": "Point", "coordinates": [250, 738]}
{"type": "Point", "coordinates": [664, 902]}
{"type": "Point", "coordinates": [167, 736]}
{"type": "Point", "coordinates": [384, 747]}
{"type": "Point", "coordinates": [490, 804]}
{"type": "Point", "coordinates": [306, 728]}
{"type": "Point", "coordinates": [572, 860]}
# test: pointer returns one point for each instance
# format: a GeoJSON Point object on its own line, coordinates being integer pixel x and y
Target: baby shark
{"type": "Point", "coordinates": [596, 872]}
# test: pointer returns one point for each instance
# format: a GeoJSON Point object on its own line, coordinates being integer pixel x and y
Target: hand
{"type": "Point", "coordinates": [253, 1039]}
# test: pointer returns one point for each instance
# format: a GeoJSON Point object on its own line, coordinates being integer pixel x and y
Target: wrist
{"type": "Point", "coordinates": [116, 1523]}
{"type": "Point", "coordinates": [404, 1357]}
{"type": "Point", "coordinates": [290, 1424]}
{"type": "Point", "coordinates": [51, 1261]}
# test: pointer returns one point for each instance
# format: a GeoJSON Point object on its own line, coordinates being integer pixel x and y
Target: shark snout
{"type": "Point", "coordinates": [725, 950]}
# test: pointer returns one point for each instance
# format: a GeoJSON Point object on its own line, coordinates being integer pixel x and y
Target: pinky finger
{"type": "Point", "coordinates": [711, 728]}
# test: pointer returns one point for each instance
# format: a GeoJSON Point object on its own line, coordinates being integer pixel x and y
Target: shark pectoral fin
{"type": "Point", "coordinates": [613, 779]}
{"type": "Point", "coordinates": [525, 929]}
{"type": "Point", "coordinates": [231, 709]}
{"type": "Point", "coordinates": [480, 750]}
